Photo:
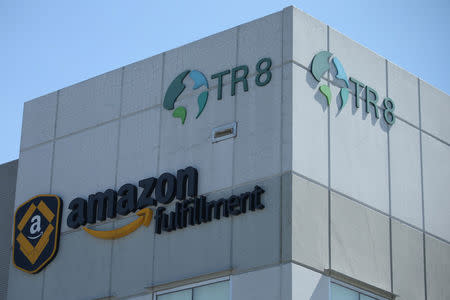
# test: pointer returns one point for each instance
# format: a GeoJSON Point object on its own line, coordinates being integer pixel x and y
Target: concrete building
{"type": "Point", "coordinates": [316, 197]}
{"type": "Point", "coordinates": [8, 176]}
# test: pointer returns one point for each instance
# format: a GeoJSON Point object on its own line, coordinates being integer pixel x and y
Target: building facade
{"type": "Point", "coordinates": [8, 176]}
{"type": "Point", "coordinates": [275, 160]}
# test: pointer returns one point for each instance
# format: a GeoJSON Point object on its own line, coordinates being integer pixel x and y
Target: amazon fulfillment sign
{"type": "Point", "coordinates": [37, 221]}
{"type": "Point", "coordinates": [190, 209]}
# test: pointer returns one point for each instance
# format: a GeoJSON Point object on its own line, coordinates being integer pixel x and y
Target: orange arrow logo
{"type": "Point", "coordinates": [145, 217]}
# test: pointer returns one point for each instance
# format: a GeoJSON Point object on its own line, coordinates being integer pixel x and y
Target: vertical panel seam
{"type": "Point", "coordinates": [281, 141]}
{"type": "Point", "coordinates": [391, 265]}
{"type": "Point", "coordinates": [51, 173]}
{"type": "Point", "coordinates": [160, 112]}
{"type": "Point", "coordinates": [234, 150]}
{"type": "Point", "coordinates": [43, 284]}
{"type": "Point", "coordinates": [422, 193]}
{"type": "Point", "coordinates": [122, 75]}
{"type": "Point", "coordinates": [329, 161]}
{"type": "Point", "coordinates": [158, 165]}
{"type": "Point", "coordinates": [54, 142]}
{"type": "Point", "coordinates": [120, 122]}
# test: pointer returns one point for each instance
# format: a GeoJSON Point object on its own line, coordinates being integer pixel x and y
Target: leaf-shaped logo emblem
{"type": "Point", "coordinates": [177, 87]}
{"type": "Point", "coordinates": [320, 65]}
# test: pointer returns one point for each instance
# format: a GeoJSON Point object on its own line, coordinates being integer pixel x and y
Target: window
{"type": "Point", "coordinates": [213, 289]}
{"type": "Point", "coordinates": [341, 291]}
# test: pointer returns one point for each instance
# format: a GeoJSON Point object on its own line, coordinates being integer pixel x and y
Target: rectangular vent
{"type": "Point", "coordinates": [224, 132]}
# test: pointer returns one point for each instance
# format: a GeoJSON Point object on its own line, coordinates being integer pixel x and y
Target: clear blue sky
{"type": "Point", "coordinates": [48, 45]}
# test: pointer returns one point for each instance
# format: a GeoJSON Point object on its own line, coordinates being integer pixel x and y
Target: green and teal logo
{"type": "Point", "coordinates": [321, 63]}
{"type": "Point", "coordinates": [177, 87]}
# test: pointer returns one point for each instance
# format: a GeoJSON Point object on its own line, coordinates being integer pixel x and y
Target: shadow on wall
{"type": "Point", "coordinates": [321, 291]}
{"type": "Point", "coordinates": [313, 83]}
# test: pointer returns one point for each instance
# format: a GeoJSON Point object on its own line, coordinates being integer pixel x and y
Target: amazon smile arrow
{"type": "Point", "coordinates": [145, 217]}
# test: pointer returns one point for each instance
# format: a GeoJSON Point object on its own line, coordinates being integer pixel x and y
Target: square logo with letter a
{"type": "Point", "coordinates": [37, 224]}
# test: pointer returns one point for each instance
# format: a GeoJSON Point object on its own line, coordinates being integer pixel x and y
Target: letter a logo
{"type": "Point", "coordinates": [37, 225]}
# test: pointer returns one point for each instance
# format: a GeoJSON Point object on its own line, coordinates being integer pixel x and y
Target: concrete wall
{"type": "Point", "coordinates": [368, 200]}
{"type": "Point", "coordinates": [8, 176]}
{"type": "Point", "coordinates": [343, 191]}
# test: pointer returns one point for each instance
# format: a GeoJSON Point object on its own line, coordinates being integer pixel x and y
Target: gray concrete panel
{"type": "Point", "coordinates": [436, 172]}
{"type": "Point", "coordinates": [256, 235]}
{"type": "Point", "coordinates": [406, 186]}
{"type": "Point", "coordinates": [8, 177]}
{"type": "Point", "coordinates": [38, 123]}
{"type": "Point", "coordinates": [147, 296]}
{"type": "Point", "coordinates": [309, 285]}
{"type": "Point", "coordinates": [84, 163]}
{"type": "Point", "coordinates": [309, 223]}
{"type": "Point", "coordinates": [403, 89]}
{"type": "Point", "coordinates": [309, 37]}
{"type": "Point", "coordinates": [309, 127]}
{"type": "Point", "coordinates": [286, 119]}
{"type": "Point", "coordinates": [33, 175]}
{"type": "Point", "coordinates": [358, 154]}
{"type": "Point", "coordinates": [142, 84]}
{"type": "Point", "coordinates": [89, 103]}
{"type": "Point", "coordinates": [407, 262]}
{"type": "Point", "coordinates": [287, 19]}
{"type": "Point", "coordinates": [191, 144]}
{"type": "Point", "coordinates": [209, 55]}
{"type": "Point", "coordinates": [438, 268]}
{"type": "Point", "coordinates": [138, 147]}
{"type": "Point", "coordinates": [5, 258]}
{"type": "Point", "coordinates": [258, 285]}
{"type": "Point", "coordinates": [195, 250]}
{"type": "Point", "coordinates": [286, 217]}
{"type": "Point", "coordinates": [257, 151]}
{"type": "Point", "coordinates": [22, 285]}
{"type": "Point", "coordinates": [261, 38]}
{"type": "Point", "coordinates": [435, 108]}
{"type": "Point", "coordinates": [286, 281]}
{"type": "Point", "coordinates": [81, 269]}
{"type": "Point", "coordinates": [359, 62]}
{"type": "Point", "coordinates": [132, 260]}
{"type": "Point", "coordinates": [360, 242]}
